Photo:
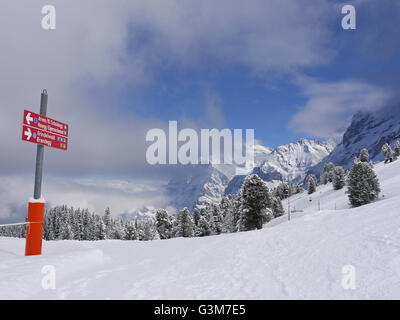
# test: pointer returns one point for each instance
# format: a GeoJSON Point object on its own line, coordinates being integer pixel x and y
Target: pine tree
{"type": "Point", "coordinates": [184, 224]}
{"type": "Point", "coordinates": [282, 191]}
{"type": "Point", "coordinates": [232, 213]}
{"type": "Point", "coordinates": [397, 149]}
{"type": "Point", "coordinates": [150, 230]}
{"type": "Point", "coordinates": [255, 200]}
{"type": "Point", "coordinates": [163, 223]}
{"type": "Point", "coordinates": [387, 153]}
{"type": "Point", "coordinates": [196, 216]}
{"type": "Point", "coordinates": [299, 189]}
{"type": "Point", "coordinates": [339, 180]}
{"type": "Point", "coordinates": [311, 184]}
{"type": "Point", "coordinates": [363, 185]}
{"type": "Point", "coordinates": [327, 173]}
{"type": "Point", "coordinates": [130, 231]}
{"type": "Point", "coordinates": [107, 222]}
{"type": "Point", "coordinates": [364, 155]}
{"type": "Point", "coordinates": [203, 228]}
{"type": "Point", "coordinates": [277, 207]}
{"type": "Point", "coordinates": [101, 230]}
{"type": "Point", "coordinates": [66, 232]}
{"type": "Point", "coordinates": [215, 219]}
{"type": "Point", "coordinates": [117, 229]}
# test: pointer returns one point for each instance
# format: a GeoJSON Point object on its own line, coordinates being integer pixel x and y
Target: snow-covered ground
{"type": "Point", "coordinates": [300, 259]}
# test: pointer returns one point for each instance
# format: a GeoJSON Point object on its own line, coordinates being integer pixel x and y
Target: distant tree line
{"type": "Point", "coordinates": [253, 206]}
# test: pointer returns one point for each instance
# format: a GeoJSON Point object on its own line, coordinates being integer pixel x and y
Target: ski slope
{"type": "Point", "coordinates": [300, 259]}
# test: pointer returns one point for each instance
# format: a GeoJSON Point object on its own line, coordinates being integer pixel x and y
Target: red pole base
{"type": "Point", "coordinates": [34, 231]}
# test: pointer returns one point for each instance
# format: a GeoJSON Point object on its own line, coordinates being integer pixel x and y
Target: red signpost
{"type": "Point", "coordinates": [44, 138]}
{"type": "Point", "coordinates": [44, 131]}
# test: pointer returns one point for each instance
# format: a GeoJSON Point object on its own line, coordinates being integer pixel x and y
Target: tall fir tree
{"type": "Point", "coordinates": [387, 153]}
{"type": "Point", "coordinates": [277, 207]}
{"type": "Point", "coordinates": [163, 224]}
{"type": "Point", "coordinates": [363, 185]}
{"type": "Point", "coordinates": [203, 227]}
{"type": "Point", "coordinates": [311, 184]}
{"type": "Point", "coordinates": [326, 175]}
{"type": "Point", "coordinates": [196, 216]}
{"type": "Point", "coordinates": [184, 224]}
{"type": "Point", "coordinates": [256, 198]}
{"type": "Point", "coordinates": [339, 180]}
{"type": "Point", "coordinates": [397, 149]}
{"type": "Point", "coordinates": [364, 155]}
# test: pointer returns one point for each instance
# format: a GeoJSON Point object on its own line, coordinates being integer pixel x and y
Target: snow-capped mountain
{"type": "Point", "coordinates": [289, 162]}
{"type": "Point", "coordinates": [370, 130]}
{"type": "Point", "coordinates": [142, 213]}
{"type": "Point", "coordinates": [206, 183]}
{"type": "Point", "coordinates": [209, 183]}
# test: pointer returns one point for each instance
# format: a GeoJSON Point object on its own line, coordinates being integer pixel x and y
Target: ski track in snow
{"type": "Point", "coordinates": [300, 259]}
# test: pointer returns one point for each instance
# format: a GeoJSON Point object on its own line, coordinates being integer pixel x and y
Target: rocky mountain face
{"type": "Point", "coordinates": [370, 130]}
{"type": "Point", "coordinates": [205, 184]}
{"type": "Point", "coordinates": [289, 162]}
{"type": "Point", "coordinates": [208, 184]}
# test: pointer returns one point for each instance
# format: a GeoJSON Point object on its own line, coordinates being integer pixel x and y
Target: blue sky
{"type": "Point", "coordinates": [267, 100]}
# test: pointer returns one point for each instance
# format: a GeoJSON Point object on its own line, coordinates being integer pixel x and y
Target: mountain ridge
{"type": "Point", "coordinates": [370, 130]}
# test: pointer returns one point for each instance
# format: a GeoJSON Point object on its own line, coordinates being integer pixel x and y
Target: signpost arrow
{"type": "Point", "coordinates": [28, 133]}
{"type": "Point", "coordinates": [28, 118]}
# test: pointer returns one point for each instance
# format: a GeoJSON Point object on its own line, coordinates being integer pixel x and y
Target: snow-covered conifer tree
{"type": "Point", "coordinates": [184, 224]}
{"type": "Point", "coordinates": [163, 223]}
{"type": "Point", "coordinates": [363, 185]}
{"type": "Point", "coordinates": [256, 198]}
{"type": "Point", "coordinates": [130, 231]}
{"type": "Point", "coordinates": [387, 153]}
{"type": "Point", "coordinates": [364, 155]}
{"type": "Point", "coordinates": [311, 184]}
{"type": "Point", "coordinates": [196, 216]}
{"type": "Point", "coordinates": [397, 149]}
{"type": "Point", "coordinates": [216, 219]}
{"type": "Point", "coordinates": [327, 173]}
{"type": "Point", "coordinates": [203, 228]}
{"type": "Point", "coordinates": [277, 207]}
{"type": "Point", "coordinates": [150, 230]}
{"type": "Point", "coordinates": [339, 180]}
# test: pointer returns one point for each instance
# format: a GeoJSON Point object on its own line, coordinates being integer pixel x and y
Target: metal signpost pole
{"type": "Point", "coordinates": [34, 231]}
{"type": "Point", "coordinates": [40, 152]}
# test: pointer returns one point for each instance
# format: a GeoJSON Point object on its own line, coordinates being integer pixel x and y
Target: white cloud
{"type": "Point", "coordinates": [101, 47]}
{"type": "Point", "coordinates": [121, 195]}
{"type": "Point", "coordinates": [330, 105]}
